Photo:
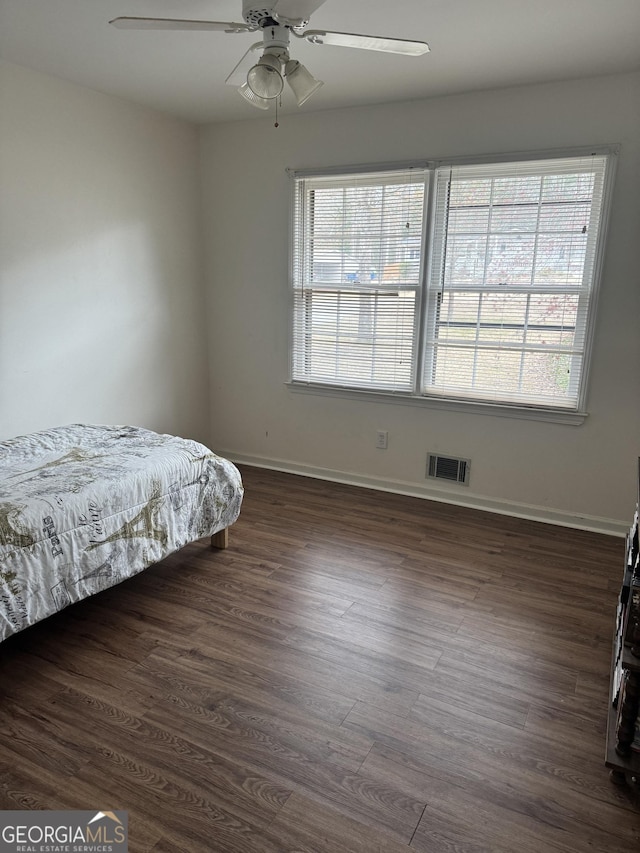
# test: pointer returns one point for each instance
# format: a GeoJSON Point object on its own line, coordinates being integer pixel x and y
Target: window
{"type": "Point", "coordinates": [467, 282]}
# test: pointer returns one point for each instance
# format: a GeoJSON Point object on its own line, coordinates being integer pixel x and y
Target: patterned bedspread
{"type": "Point", "coordinates": [84, 507]}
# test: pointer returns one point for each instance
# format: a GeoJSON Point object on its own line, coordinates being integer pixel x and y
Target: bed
{"type": "Point", "coordinates": [83, 507]}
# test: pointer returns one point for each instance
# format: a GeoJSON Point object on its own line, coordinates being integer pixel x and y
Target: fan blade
{"type": "Point", "coordinates": [297, 10]}
{"type": "Point", "coordinates": [178, 24]}
{"type": "Point", "coordinates": [239, 74]}
{"type": "Point", "coordinates": [404, 46]}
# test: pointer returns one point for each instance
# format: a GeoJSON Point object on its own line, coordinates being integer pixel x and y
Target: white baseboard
{"type": "Point", "coordinates": [607, 526]}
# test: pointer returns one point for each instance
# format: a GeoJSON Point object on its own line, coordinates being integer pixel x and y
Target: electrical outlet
{"type": "Point", "coordinates": [382, 439]}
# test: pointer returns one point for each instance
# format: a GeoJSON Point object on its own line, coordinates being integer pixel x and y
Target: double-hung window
{"type": "Point", "coordinates": [454, 281]}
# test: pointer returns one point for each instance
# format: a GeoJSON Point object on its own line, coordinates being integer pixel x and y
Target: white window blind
{"type": "Point", "coordinates": [356, 279]}
{"type": "Point", "coordinates": [511, 280]}
{"type": "Point", "coordinates": [488, 298]}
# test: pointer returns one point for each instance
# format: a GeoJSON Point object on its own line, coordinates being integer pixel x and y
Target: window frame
{"type": "Point", "coordinates": [417, 396]}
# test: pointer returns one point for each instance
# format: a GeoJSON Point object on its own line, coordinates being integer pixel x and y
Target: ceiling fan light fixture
{"type": "Point", "coordinates": [265, 79]}
{"type": "Point", "coordinates": [302, 83]}
{"type": "Point", "coordinates": [262, 82]}
{"type": "Point", "coordinates": [249, 95]}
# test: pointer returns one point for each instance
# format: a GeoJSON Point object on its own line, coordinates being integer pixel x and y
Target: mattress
{"type": "Point", "coordinates": [83, 507]}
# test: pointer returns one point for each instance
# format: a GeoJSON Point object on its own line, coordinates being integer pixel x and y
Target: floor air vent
{"type": "Point", "coordinates": [448, 468]}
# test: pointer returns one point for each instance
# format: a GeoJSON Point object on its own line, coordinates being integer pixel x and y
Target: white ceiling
{"type": "Point", "coordinates": [475, 44]}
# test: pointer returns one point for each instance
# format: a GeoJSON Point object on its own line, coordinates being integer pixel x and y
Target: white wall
{"type": "Point", "coordinates": [583, 475]}
{"type": "Point", "coordinates": [101, 279]}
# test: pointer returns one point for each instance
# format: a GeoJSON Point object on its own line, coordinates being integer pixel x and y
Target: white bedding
{"type": "Point", "coordinates": [83, 507]}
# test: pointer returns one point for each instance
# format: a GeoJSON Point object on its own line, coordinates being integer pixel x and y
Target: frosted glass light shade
{"type": "Point", "coordinates": [264, 79]}
{"type": "Point", "coordinates": [302, 83]}
{"type": "Point", "coordinates": [249, 95]}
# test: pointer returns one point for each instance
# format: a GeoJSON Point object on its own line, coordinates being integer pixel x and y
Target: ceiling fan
{"type": "Point", "coordinates": [262, 81]}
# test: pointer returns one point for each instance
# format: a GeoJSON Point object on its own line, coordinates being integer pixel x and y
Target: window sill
{"type": "Point", "coordinates": [469, 407]}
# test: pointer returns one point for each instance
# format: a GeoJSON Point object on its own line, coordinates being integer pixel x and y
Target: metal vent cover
{"type": "Point", "coordinates": [450, 468]}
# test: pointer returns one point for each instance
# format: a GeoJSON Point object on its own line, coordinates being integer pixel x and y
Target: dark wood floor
{"type": "Point", "coordinates": [358, 673]}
